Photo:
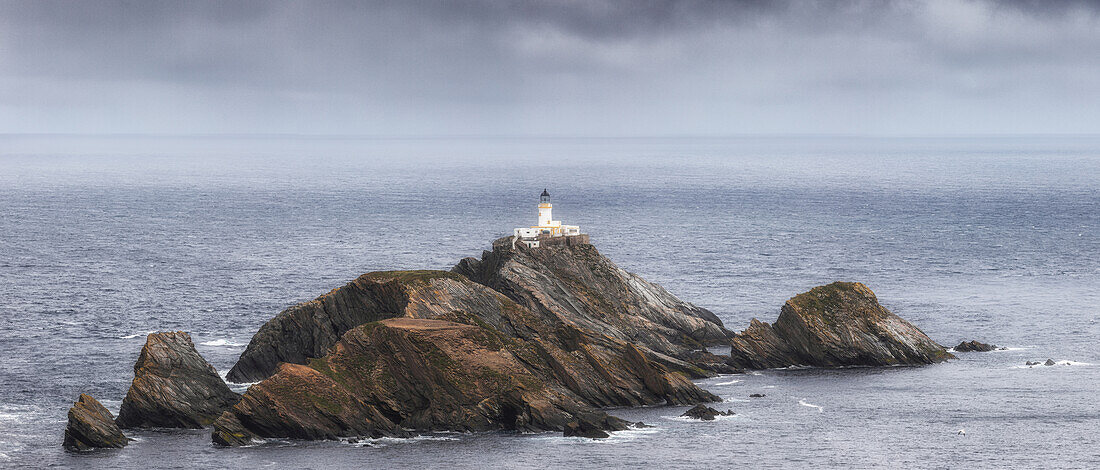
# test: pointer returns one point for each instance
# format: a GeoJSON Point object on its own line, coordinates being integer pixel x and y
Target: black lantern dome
{"type": "Point", "coordinates": [544, 198]}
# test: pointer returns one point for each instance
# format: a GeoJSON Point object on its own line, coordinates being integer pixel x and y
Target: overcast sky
{"type": "Point", "coordinates": [587, 67]}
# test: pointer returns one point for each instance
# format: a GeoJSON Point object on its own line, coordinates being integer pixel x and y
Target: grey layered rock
{"type": "Point", "coordinates": [173, 386]}
{"type": "Point", "coordinates": [577, 285]}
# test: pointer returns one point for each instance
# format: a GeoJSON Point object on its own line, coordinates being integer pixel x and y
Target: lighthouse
{"type": "Point", "coordinates": [548, 231]}
{"type": "Point", "coordinates": [545, 208]}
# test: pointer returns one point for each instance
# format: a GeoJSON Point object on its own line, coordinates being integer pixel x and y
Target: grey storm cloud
{"type": "Point", "coordinates": [540, 67]}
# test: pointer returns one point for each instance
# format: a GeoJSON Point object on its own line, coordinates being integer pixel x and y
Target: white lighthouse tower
{"type": "Point", "coordinates": [548, 230]}
{"type": "Point", "coordinates": [545, 209]}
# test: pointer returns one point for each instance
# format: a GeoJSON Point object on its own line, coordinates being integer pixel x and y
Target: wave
{"type": "Point", "coordinates": [811, 405]}
{"type": "Point", "coordinates": [221, 342]}
{"type": "Point", "coordinates": [135, 335]}
{"type": "Point", "coordinates": [731, 382]}
{"type": "Point", "coordinates": [685, 419]}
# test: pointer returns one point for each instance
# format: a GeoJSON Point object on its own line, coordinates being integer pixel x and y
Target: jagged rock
{"type": "Point", "coordinates": [602, 370]}
{"type": "Point", "coordinates": [578, 285]}
{"type": "Point", "coordinates": [592, 426]}
{"type": "Point", "coordinates": [92, 426]}
{"type": "Point", "coordinates": [837, 325]}
{"type": "Point", "coordinates": [757, 395]}
{"type": "Point", "coordinates": [309, 329]}
{"type": "Point", "coordinates": [974, 346]}
{"type": "Point", "coordinates": [705, 413]}
{"type": "Point", "coordinates": [173, 387]}
{"type": "Point", "coordinates": [1049, 362]}
{"type": "Point", "coordinates": [228, 431]}
{"type": "Point", "coordinates": [1029, 363]}
{"type": "Point", "coordinates": [404, 375]}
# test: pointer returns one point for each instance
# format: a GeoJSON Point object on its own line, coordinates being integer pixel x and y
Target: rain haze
{"type": "Point", "coordinates": [569, 68]}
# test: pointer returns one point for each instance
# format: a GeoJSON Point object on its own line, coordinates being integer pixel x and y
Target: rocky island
{"type": "Point", "coordinates": [527, 339]}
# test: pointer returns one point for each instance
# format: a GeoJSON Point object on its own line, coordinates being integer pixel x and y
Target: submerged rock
{"type": "Point", "coordinates": [705, 413]}
{"type": "Point", "coordinates": [757, 395]}
{"type": "Point", "coordinates": [837, 325]}
{"type": "Point", "coordinates": [173, 387]}
{"type": "Point", "coordinates": [974, 346]}
{"type": "Point", "coordinates": [92, 426]}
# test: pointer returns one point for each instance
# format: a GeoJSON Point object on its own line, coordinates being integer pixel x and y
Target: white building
{"type": "Point", "coordinates": [547, 228]}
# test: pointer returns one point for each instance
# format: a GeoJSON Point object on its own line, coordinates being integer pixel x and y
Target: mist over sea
{"type": "Point", "coordinates": [103, 240]}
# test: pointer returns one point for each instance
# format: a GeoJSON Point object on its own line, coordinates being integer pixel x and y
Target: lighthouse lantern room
{"type": "Point", "coordinates": [548, 230]}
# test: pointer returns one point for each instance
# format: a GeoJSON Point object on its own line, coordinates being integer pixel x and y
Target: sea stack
{"type": "Point", "coordinates": [92, 426]}
{"type": "Point", "coordinates": [836, 325]}
{"type": "Point", "coordinates": [174, 387]}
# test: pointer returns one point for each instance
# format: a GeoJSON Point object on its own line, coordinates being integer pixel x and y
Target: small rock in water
{"type": "Point", "coordinates": [91, 426]}
{"type": "Point", "coordinates": [706, 413]}
{"type": "Point", "coordinates": [974, 346]}
{"type": "Point", "coordinates": [757, 395]}
{"type": "Point", "coordinates": [1029, 363]}
{"type": "Point", "coordinates": [1049, 362]}
{"type": "Point", "coordinates": [584, 428]}
{"type": "Point", "coordinates": [641, 425]}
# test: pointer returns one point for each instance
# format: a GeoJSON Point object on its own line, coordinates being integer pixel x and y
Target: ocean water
{"type": "Point", "coordinates": [103, 240]}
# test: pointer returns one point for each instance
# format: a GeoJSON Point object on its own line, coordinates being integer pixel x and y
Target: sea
{"type": "Point", "coordinates": [996, 238]}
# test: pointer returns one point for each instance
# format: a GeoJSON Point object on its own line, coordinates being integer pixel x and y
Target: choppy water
{"type": "Point", "coordinates": [993, 239]}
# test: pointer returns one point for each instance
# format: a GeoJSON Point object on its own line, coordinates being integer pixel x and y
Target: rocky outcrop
{"type": "Point", "coordinates": [403, 375]}
{"type": "Point", "coordinates": [92, 426]}
{"type": "Point", "coordinates": [837, 325]}
{"type": "Point", "coordinates": [173, 387]}
{"type": "Point", "coordinates": [577, 285]}
{"type": "Point", "coordinates": [526, 340]}
{"type": "Point", "coordinates": [309, 329]}
{"type": "Point", "coordinates": [705, 413]}
{"type": "Point", "coordinates": [974, 346]}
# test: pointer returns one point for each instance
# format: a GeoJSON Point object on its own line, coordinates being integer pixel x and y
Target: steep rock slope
{"type": "Point", "coordinates": [173, 386]}
{"type": "Point", "coordinates": [404, 375]}
{"type": "Point", "coordinates": [577, 285]}
{"type": "Point", "coordinates": [309, 329]}
{"type": "Point", "coordinates": [836, 325]}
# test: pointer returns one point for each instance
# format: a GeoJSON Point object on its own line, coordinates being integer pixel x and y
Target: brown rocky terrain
{"type": "Point", "coordinates": [92, 426]}
{"type": "Point", "coordinates": [173, 386]}
{"type": "Point", "coordinates": [836, 325]}
{"type": "Point", "coordinates": [399, 375]}
{"type": "Point", "coordinates": [528, 340]}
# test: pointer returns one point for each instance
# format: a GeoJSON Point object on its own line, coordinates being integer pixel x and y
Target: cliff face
{"type": "Point", "coordinates": [309, 329]}
{"type": "Point", "coordinates": [400, 375]}
{"type": "Point", "coordinates": [575, 284]}
{"type": "Point", "coordinates": [173, 386]}
{"type": "Point", "coordinates": [837, 325]}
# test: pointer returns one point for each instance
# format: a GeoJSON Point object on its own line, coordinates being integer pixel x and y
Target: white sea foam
{"type": "Point", "coordinates": [811, 405]}
{"type": "Point", "coordinates": [1041, 365]}
{"type": "Point", "coordinates": [221, 342]}
{"type": "Point", "coordinates": [731, 382]}
{"type": "Point", "coordinates": [685, 419]}
{"type": "Point", "coordinates": [135, 335]}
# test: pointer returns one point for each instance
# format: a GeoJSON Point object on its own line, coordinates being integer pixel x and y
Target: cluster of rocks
{"type": "Point", "coordinates": [1049, 362]}
{"type": "Point", "coordinates": [173, 387]}
{"type": "Point", "coordinates": [522, 339]}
